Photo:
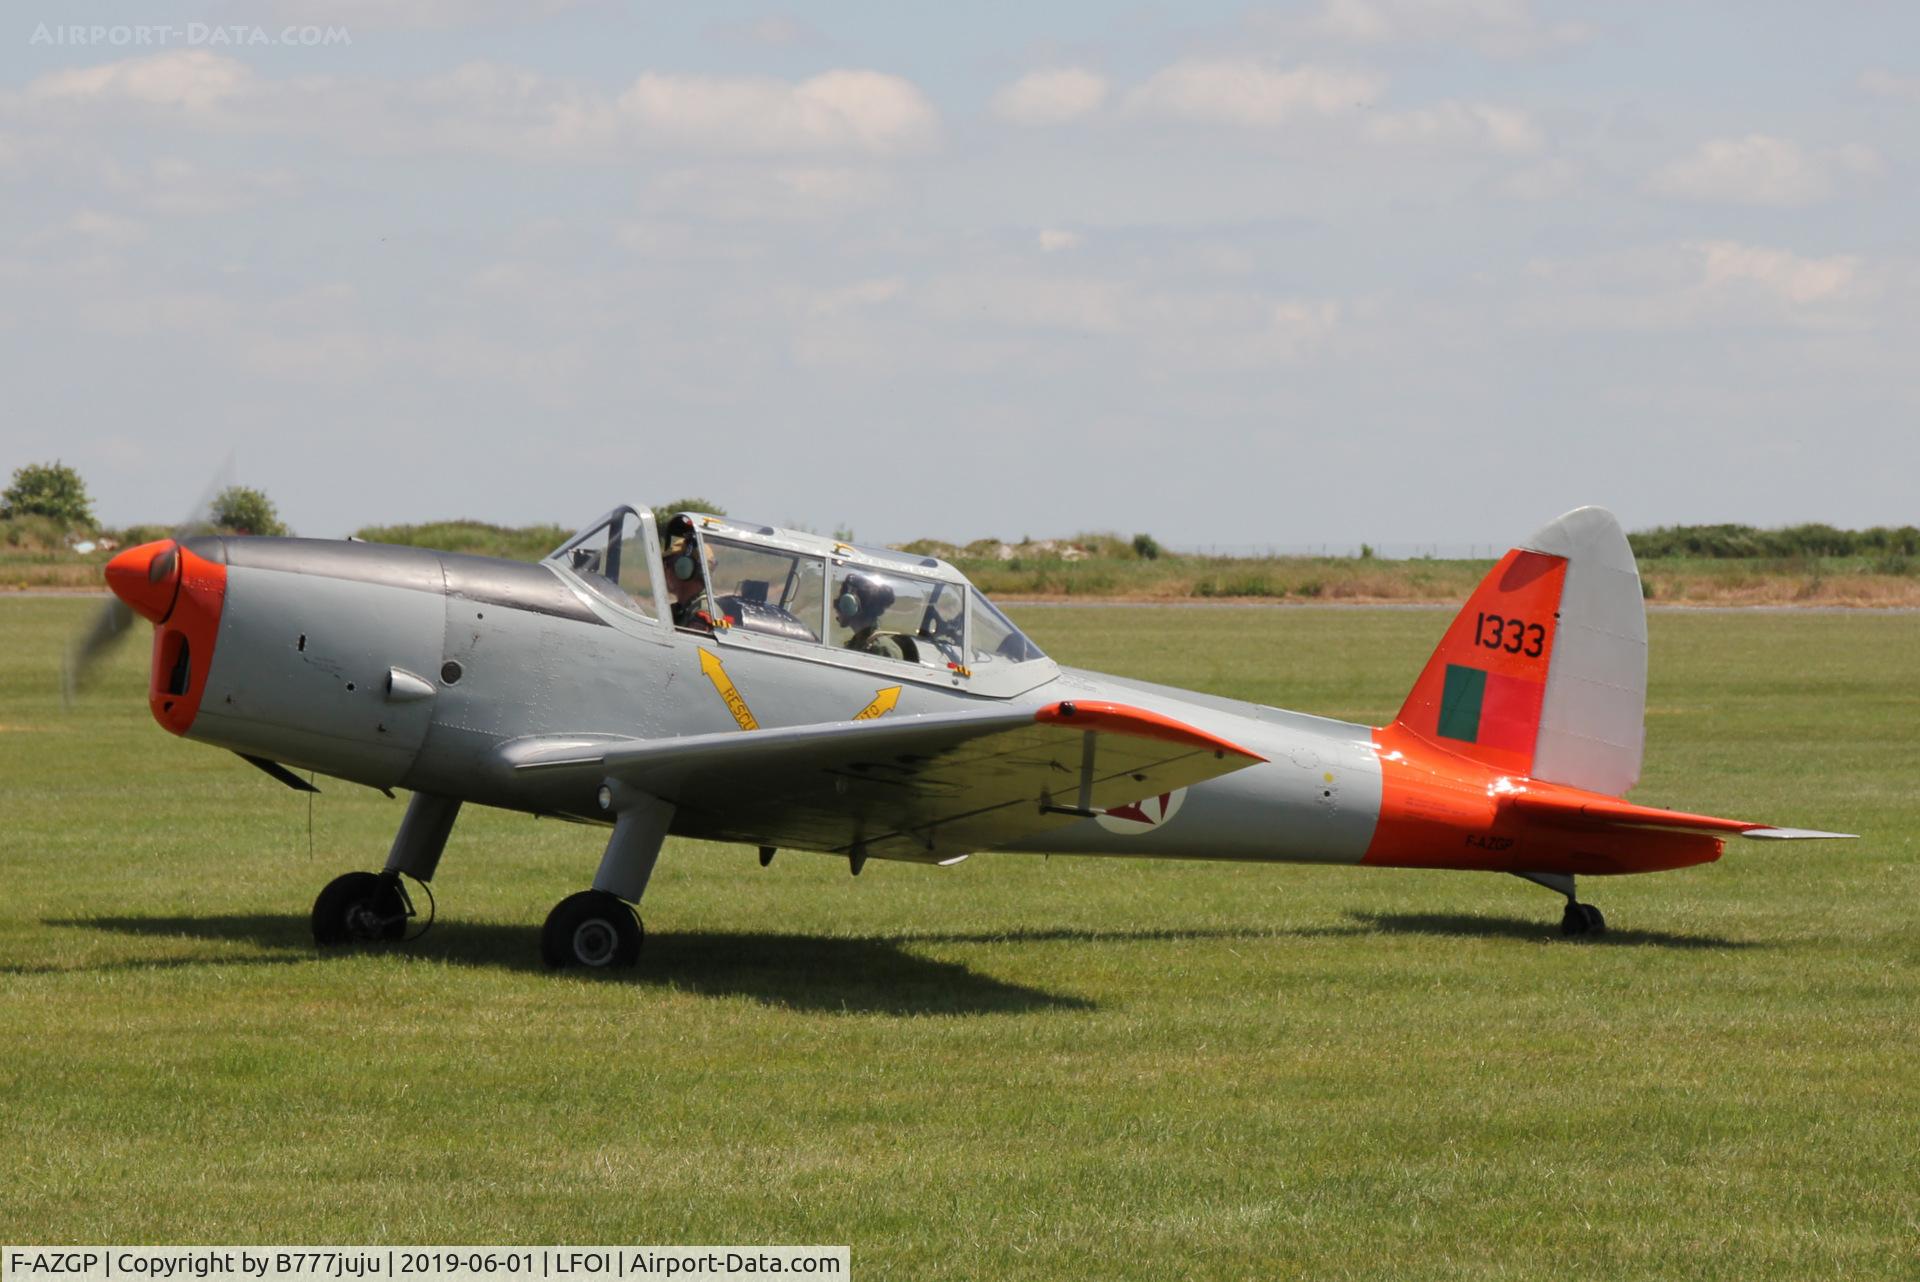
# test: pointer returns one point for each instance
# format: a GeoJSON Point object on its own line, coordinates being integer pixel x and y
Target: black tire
{"type": "Point", "coordinates": [359, 907]}
{"type": "Point", "coordinates": [592, 929]}
{"type": "Point", "coordinates": [1581, 920]}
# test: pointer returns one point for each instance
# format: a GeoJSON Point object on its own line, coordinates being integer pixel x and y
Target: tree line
{"type": "Point", "coordinates": [55, 495]}
{"type": "Point", "coordinates": [1734, 542]}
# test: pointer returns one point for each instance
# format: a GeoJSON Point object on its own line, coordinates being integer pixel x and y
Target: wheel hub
{"type": "Point", "coordinates": [363, 922]}
{"type": "Point", "coordinates": [595, 942]}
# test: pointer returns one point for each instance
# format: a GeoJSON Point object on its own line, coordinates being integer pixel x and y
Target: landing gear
{"type": "Point", "coordinates": [1582, 919]}
{"type": "Point", "coordinates": [1579, 919]}
{"type": "Point", "coordinates": [593, 929]}
{"type": "Point", "coordinates": [361, 907]}
{"type": "Point", "coordinates": [599, 928]}
{"type": "Point", "coordinates": [373, 907]}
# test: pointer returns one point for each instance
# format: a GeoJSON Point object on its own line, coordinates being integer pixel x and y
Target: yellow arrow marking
{"type": "Point", "coordinates": [883, 701]}
{"type": "Point", "coordinates": [716, 672]}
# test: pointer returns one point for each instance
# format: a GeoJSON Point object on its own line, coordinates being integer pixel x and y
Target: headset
{"type": "Point", "coordinates": [862, 596]}
{"type": "Point", "coordinates": [684, 565]}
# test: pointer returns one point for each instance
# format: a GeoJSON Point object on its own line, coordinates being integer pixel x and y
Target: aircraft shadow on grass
{"type": "Point", "coordinates": [1527, 928]}
{"type": "Point", "coordinates": [801, 972]}
{"type": "Point", "coordinates": [869, 975]}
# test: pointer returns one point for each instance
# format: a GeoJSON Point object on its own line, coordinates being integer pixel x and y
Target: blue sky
{"type": "Point", "coordinates": [1393, 270]}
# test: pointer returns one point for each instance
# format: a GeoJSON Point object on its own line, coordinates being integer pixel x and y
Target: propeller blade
{"type": "Point", "coordinates": [85, 654]}
{"type": "Point", "coordinates": [200, 519]}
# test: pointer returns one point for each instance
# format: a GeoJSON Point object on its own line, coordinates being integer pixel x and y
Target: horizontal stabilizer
{"type": "Point", "coordinates": [1796, 834]}
{"type": "Point", "coordinates": [1588, 810]}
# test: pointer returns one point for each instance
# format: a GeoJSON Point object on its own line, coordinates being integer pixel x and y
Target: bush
{"type": "Point", "coordinates": [1146, 547]}
{"type": "Point", "coordinates": [33, 533]}
{"type": "Point", "coordinates": [1747, 542]}
{"type": "Point", "coordinates": [666, 511]}
{"type": "Point", "coordinates": [134, 535]}
{"type": "Point", "coordinates": [246, 511]}
{"type": "Point", "coordinates": [474, 538]}
{"type": "Point", "coordinates": [51, 490]}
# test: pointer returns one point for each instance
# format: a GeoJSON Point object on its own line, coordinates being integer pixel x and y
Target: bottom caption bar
{"type": "Point", "coordinates": [416, 1263]}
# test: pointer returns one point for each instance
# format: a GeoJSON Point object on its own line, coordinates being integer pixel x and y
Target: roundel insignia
{"type": "Point", "coordinates": [1142, 816]}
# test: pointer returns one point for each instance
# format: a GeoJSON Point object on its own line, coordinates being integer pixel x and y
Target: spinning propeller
{"type": "Point", "coordinates": [103, 634]}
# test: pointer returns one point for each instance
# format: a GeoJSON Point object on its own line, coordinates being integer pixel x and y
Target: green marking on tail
{"type": "Point", "coordinates": [1460, 701]}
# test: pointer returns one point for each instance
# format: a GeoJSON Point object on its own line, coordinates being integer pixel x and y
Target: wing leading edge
{"type": "Point", "coordinates": [925, 789]}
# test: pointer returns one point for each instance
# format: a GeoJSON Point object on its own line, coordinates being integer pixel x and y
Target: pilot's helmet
{"type": "Point", "coordinates": [862, 599]}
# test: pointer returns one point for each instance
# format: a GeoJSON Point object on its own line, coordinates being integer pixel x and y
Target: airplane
{"type": "Point", "coordinates": [716, 679]}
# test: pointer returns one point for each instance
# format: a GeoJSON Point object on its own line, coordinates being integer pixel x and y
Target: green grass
{"type": "Point", "coordinates": [1014, 1068]}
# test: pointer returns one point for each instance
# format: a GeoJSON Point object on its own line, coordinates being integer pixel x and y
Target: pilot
{"type": "Point", "coordinates": [691, 606]}
{"type": "Point", "coordinates": [862, 599]}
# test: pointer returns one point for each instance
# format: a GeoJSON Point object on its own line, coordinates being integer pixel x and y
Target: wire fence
{"type": "Point", "coordinates": [1382, 551]}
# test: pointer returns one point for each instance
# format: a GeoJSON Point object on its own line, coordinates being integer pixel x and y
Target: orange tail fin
{"type": "Point", "coordinates": [1544, 673]}
{"type": "Point", "coordinates": [1481, 693]}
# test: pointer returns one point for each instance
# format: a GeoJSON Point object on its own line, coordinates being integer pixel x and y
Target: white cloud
{"type": "Point", "coordinates": [1054, 240]}
{"type": "Point", "coordinates": [194, 80]}
{"type": "Point", "coordinates": [1051, 97]}
{"type": "Point", "coordinates": [491, 108]}
{"type": "Point", "coordinates": [1550, 179]}
{"type": "Point", "coordinates": [1299, 325]}
{"type": "Point", "coordinates": [867, 111]}
{"type": "Point", "coordinates": [773, 30]}
{"type": "Point", "coordinates": [1459, 124]}
{"type": "Point", "coordinates": [1785, 275]}
{"type": "Point", "coordinates": [1760, 170]}
{"type": "Point", "coordinates": [859, 295]}
{"type": "Point", "coordinates": [1252, 94]}
{"type": "Point", "coordinates": [1885, 84]}
{"type": "Point", "coordinates": [1071, 304]}
{"type": "Point", "coordinates": [1163, 327]}
{"type": "Point", "coordinates": [1700, 285]}
{"type": "Point", "coordinates": [1362, 21]}
{"type": "Point", "coordinates": [1501, 28]}
{"type": "Point", "coordinates": [744, 192]}
{"type": "Point", "coordinates": [420, 15]}
{"type": "Point", "coordinates": [108, 229]}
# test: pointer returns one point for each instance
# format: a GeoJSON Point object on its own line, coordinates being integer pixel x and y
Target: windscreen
{"type": "Point", "coordinates": [611, 557]}
{"type": "Point", "coordinates": [995, 639]}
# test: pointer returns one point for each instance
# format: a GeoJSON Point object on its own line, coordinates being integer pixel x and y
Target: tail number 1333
{"type": "Point", "coordinates": [1515, 636]}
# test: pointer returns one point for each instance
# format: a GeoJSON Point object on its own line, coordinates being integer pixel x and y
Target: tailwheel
{"type": "Point", "coordinates": [1582, 919]}
{"type": "Point", "coordinates": [361, 907]}
{"type": "Point", "coordinates": [594, 929]}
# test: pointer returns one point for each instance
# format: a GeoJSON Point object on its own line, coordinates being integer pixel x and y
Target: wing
{"type": "Point", "coordinates": [928, 788]}
{"type": "Point", "coordinates": [1591, 811]}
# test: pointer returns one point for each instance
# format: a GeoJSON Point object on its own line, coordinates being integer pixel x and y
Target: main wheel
{"type": "Point", "coordinates": [360, 907]}
{"type": "Point", "coordinates": [593, 929]}
{"type": "Point", "coordinates": [1582, 919]}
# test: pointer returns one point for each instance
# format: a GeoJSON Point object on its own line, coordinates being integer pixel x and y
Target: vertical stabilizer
{"type": "Point", "coordinates": [1544, 672]}
{"type": "Point", "coordinates": [1593, 720]}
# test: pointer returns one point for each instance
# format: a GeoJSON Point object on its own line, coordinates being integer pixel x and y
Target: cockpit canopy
{"type": "Point", "coordinates": [711, 573]}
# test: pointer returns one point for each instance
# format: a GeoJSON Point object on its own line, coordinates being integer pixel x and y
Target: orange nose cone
{"type": "Point", "coordinates": [147, 578]}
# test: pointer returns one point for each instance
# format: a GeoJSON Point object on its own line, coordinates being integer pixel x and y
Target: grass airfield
{"type": "Point", "coordinates": [1014, 1068]}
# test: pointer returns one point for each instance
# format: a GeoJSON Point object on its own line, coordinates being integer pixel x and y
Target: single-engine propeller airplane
{"type": "Point", "coordinates": [741, 683]}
